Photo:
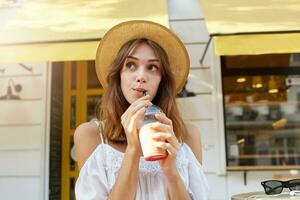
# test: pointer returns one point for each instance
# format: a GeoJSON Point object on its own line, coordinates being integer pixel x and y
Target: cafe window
{"type": "Point", "coordinates": [262, 111]}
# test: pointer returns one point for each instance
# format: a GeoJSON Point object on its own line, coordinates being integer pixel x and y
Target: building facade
{"type": "Point", "coordinates": [38, 163]}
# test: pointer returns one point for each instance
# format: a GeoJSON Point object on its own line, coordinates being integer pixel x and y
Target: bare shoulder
{"type": "Point", "coordinates": [193, 140]}
{"type": "Point", "coordinates": [86, 139]}
{"type": "Point", "coordinates": [87, 129]}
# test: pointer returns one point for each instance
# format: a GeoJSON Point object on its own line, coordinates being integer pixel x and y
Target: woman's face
{"type": "Point", "coordinates": [141, 72]}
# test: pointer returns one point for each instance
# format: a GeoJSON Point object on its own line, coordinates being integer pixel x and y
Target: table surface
{"type": "Point", "coordinates": [263, 196]}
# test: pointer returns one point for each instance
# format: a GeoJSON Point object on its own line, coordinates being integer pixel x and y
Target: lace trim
{"type": "Point", "coordinates": [113, 159]}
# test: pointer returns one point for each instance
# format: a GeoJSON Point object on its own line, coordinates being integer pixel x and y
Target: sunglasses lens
{"type": "Point", "coordinates": [294, 184]}
{"type": "Point", "coordinates": [273, 187]}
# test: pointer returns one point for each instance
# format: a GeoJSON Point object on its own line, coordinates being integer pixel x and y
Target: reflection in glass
{"type": "Point", "coordinates": [92, 79]}
{"type": "Point", "coordinates": [262, 118]}
{"type": "Point", "coordinates": [74, 75]}
{"type": "Point", "coordinates": [92, 104]}
{"type": "Point", "coordinates": [73, 113]}
{"type": "Point", "coordinates": [295, 60]}
{"type": "Point", "coordinates": [72, 162]}
{"type": "Point", "coordinates": [72, 188]}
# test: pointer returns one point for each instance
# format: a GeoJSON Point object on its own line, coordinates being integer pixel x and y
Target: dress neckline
{"type": "Point", "coordinates": [114, 157]}
{"type": "Point", "coordinates": [114, 149]}
{"type": "Point", "coordinates": [122, 153]}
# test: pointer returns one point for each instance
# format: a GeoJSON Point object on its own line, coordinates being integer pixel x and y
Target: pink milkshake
{"type": "Point", "coordinates": [150, 152]}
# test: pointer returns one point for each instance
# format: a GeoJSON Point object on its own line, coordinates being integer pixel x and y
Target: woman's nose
{"type": "Point", "coordinates": [141, 76]}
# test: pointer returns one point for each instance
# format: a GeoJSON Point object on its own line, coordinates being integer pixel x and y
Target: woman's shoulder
{"type": "Point", "coordinates": [193, 134]}
{"type": "Point", "coordinates": [87, 130]}
{"type": "Point", "coordinates": [193, 140]}
{"type": "Point", "coordinates": [86, 139]}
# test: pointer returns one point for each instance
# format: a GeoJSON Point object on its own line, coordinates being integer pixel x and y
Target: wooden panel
{"type": "Point", "coordinates": [21, 112]}
{"type": "Point", "coordinates": [20, 188]}
{"type": "Point", "coordinates": [32, 86]}
{"type": "Point", "coordinates": [20, 137]}
{"type": "Point", "coordinates": [195, 53]}
{"type": "Point", "coordinates": [18, 70]}
{"type": "Point", "coordinates": [188, 9]}
{"type": "Point", "coordinates": [196, 108]}
{"type": "Point", "coordinates": [199, 81]}
{"type": "Point", "coordinates": [285, 177]}
{"type": "Point", "coordinates": [190, 31]}
{"type": "Point", "coordinates": [20, 163]}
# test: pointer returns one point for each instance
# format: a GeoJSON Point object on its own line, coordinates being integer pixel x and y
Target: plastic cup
{"type": "Point", "coordinates": [150, 152]}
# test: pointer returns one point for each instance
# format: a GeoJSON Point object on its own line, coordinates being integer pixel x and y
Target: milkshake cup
{"type": "Point", "coordinates": [150, 152]}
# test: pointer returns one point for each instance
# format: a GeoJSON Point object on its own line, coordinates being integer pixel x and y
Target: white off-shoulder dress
{"type": "Point", "coordinates": [100, 171]}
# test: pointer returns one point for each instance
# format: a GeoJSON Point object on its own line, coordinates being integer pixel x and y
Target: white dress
{"type": "Point", "coordinates": [100, 171]}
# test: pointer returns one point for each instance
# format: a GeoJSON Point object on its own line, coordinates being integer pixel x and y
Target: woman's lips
{"type": "Point", "coordinates": [140, 91]}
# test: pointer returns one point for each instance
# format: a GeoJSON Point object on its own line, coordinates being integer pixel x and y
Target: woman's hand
{"type": "Point", "coordinates": [131, 121]}
{"type": "Point", "coordinates": [167, 140]}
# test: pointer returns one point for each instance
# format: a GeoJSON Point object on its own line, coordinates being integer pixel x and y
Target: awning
{"type": "Point", "coordinates": [60, 30]}
{"type": "Point", "coordinates": [242, 27]}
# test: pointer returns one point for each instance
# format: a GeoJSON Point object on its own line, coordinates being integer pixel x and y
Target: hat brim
{"type": "Point", "coordinates": [118, 35]}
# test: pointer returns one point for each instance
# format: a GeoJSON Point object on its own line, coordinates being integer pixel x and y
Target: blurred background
{"type": "Point", "coordinates": [242, 91]}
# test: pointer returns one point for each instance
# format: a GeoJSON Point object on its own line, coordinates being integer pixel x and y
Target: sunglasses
{"type": "Point", "coordinates": [276, 186]}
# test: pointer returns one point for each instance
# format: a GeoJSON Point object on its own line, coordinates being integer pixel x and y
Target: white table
{"type": "Point", "coordinates": [263, 196]}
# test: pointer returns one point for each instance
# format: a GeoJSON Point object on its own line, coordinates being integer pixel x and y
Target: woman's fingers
{"type": "Point", "coordinates": [137, 105]}
{"type": "Point", "coordinates": [138, 117]}
{"type": "Point", "coordinates": [167, 137]}
{"type": "Point", "coordinates": [172, 151]}
{"type": "Point", "coordinates": [142, 104]}
{"type": "Point", "coordinates": [143, 101]}
{"type": "Point", "coordinates": [161, 127]}
{"type": "Point", "coordinates": [164, 119]}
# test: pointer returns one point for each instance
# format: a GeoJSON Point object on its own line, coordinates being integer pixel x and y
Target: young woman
{"type": "Point", "coordinates": [134, 58]}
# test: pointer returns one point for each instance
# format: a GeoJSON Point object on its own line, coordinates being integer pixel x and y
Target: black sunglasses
{"type": "Point", "coordinates": [276, 186]}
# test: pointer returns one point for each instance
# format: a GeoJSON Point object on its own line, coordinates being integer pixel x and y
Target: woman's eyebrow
{"type": "Point", "coordinates": [135, 58]}
{"type": "Point", "coordinates": [150, 60]}
{"type": "Point", "coordinates": [154, 60]}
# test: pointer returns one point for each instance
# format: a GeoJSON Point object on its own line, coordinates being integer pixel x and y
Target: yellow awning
{"type": "Point", "coordinates": [59, 30]}
{"type": "Point", "coordinates": [253, 27]}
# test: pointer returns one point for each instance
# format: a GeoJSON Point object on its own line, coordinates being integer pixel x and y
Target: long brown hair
{"type": "Point", "coordinates": [114, 104]}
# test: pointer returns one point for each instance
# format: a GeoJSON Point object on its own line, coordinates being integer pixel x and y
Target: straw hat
{"type": "Point", "coordinates": [120, 34]}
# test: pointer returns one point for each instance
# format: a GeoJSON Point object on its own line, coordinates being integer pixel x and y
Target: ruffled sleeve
{"type": "Point", "coordinates": [198, 186]}
{"type": "Point", "coordinates": [92, 183]}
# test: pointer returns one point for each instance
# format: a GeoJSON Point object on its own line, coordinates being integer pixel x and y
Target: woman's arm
{"type": "Point", "coordinates": [86, 139]}
{"type": "Point", "coordinates": [198, 185]}
{"type": "Point", "coordinates": [176, 188]}
{"type": "Point", "coordinates": [175, 185]}
{"type": "Point", "coordinates": [126, 184]}
{"type": "Point", "coordinates": [193, 140]}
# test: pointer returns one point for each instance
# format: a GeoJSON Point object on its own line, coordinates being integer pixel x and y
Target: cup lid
{"type": "Point", "coordinates": [153, 110]}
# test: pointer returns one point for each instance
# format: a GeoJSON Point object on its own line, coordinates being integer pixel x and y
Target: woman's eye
{"type": "Point", "coordinates": [153, 68]}
{"type": "Point", "coordinates": [130, 65]}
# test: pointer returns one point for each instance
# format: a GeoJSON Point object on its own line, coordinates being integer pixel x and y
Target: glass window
{"type": "Point", "coordinates": [74, 75]}
{"type": "Point", "coordinates": [92, 79]}
{"type": "Point", "coordinates": [262, 110]}
{"type": "Point", "coordinates": [73, 113]}
{"type": "Point", "coordinates": [71, 154]}
{"type": "Point", "coordinates": [93, 102]}
{"type": "Point", "coordinates": [72, 188]}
